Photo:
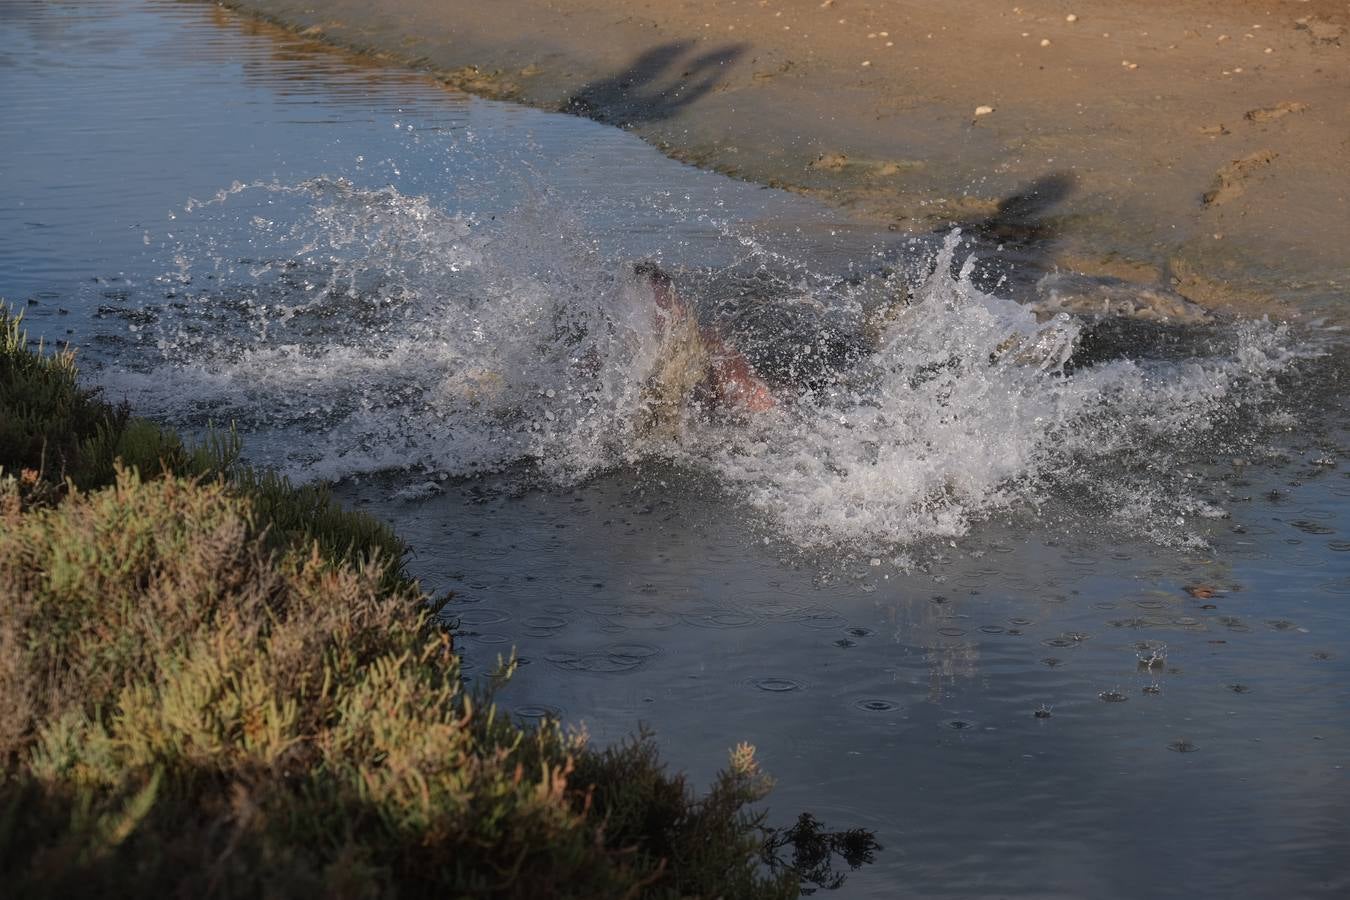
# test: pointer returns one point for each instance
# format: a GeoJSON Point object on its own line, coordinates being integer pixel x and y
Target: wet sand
{"type": "Point", "coordinates": [1201, 145]}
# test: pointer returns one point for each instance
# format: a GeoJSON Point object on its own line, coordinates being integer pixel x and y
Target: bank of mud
{"type": "Point", "coordinates": [1197, 146]}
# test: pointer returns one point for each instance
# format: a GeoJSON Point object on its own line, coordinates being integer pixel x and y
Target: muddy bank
{"type": "Point", "coordinates": [1199, 146]}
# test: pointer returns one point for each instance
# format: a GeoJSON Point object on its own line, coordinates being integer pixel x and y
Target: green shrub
{"type": "Point", "coordinates": [59, 432]}
{"type": "Point", "coordinates": [48, 423]}
{"type": "Point", "coordinates": [186, 711]}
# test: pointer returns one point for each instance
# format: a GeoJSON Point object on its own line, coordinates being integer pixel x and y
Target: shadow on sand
{"type": "Point", "coordinates": [659, 83]}
{"type": "Point", "coordinates": [1024, 218]}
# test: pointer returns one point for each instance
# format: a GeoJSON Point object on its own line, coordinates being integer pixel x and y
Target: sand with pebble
{"type": "Point", "coordinates": [1198, 146]}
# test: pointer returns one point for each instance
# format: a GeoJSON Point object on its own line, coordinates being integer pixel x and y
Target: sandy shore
{"type": "Point", "coordinates": [1202, 145]}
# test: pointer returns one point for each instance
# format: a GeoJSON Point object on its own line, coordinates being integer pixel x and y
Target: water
{"type": "Point", "coordinates": [1054, 608]}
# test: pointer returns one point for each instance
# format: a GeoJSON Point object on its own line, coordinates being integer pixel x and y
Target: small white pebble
{"type": "Point", "coordinates": [1238, 70]}
{"type": "Point", "coordinates": [890, 43]}
{"type": "Point", "coordinates": [1071, 18]}
{"type": "Point", "coordinates": [885, 33]}
{"type": "Point", "coordinates": [1129, 65]}
{"type": "Point", "coordinates": [1045, 42]}
{"type": "Point", "coordinates": [866, 62]}
{"type": "Point", "coordinates": [1270, 49]}
{"type": "Point", "coordinates": [983, 110]}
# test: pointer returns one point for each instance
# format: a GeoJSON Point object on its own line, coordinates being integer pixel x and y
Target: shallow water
{"type": "Point", "coordinates": [945, 593]}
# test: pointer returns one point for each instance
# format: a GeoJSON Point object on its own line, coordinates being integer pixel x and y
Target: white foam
{"type": "Point", "coordinates": [356, 331]}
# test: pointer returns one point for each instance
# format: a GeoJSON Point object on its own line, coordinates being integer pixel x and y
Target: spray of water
{"type": "Point", "coordinates": [351, 331]}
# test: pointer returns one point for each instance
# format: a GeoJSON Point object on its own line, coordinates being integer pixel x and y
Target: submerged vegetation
{"type": "Point", "coordinates": [215, 683]}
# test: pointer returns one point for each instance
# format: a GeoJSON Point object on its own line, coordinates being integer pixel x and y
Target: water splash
{"type": "Point", "coordinates": [354, 330]}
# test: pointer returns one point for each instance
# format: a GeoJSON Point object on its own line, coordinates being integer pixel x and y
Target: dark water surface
{"type": "Point", "coordinates": [1064, 633]}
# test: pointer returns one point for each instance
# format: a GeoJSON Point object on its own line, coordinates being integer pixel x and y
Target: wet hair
{"type": "Point", "coordinates": [653, 273]}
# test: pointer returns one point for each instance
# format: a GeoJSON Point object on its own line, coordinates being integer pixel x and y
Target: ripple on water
{"type": "Point", "coordinates": [819, 617]}
{"type": "Point", "coordinates": [718, 617]}
{"type": "Point", "coordinates": [876, 704]}
{"type": "Point", "coordinates": [545, 623]}
{"type": "Point", "coordinates": [1339, 586]}
{"type": "Point", "coordinates": [775, 685]}
{"type": "Point", "coordinates": [477, 617]}
{"type": "Point", "coordinates": [538, 711]}
{"type": "Point", "coordinates": [612, 659]}
{"type": "Point", "coordinates": [642, 617]}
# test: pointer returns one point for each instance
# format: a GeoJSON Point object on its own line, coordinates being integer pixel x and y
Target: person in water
{"type": "Point", "coordinates": [696, 361]}
{"type": "Point", "coordinates": [698, 367]}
